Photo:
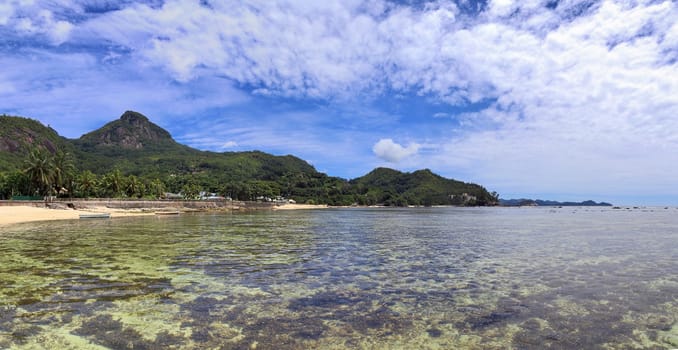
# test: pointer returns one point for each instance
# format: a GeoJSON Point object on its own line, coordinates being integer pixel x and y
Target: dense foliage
{"type": "Point", "coordinates": [550, 203]}
{"type": "Point", "coordinates": [421, 187]}
{"type": "Point", "coordinates": [134, 158]}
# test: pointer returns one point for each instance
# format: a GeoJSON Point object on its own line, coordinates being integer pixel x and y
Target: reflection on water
{"type": "Point", "coordinates": [487, 278]}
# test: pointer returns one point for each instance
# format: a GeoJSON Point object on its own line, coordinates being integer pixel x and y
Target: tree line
{"type": "Point", "coordinates": [54, 174]}
{"type": "Point", "coordinates": [44, 173]}
{"type": "Point", "coordinates": [47, 174]}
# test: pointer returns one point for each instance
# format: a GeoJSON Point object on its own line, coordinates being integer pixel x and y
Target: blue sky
{"type": "Point", "coordinates": [568, 100]}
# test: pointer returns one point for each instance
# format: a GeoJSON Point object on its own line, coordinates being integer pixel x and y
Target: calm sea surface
{"type": "Point", "coordinates": [429, 278]}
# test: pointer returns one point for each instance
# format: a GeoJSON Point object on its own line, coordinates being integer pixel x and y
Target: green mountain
{"type": "Point", "coordinates": [18, 135]}
{"type": "Point", "coordinates": [133, 131]}
{"type": "Point", "coordinates": [421, 187]}
{"type": "Point", "coordinates": [134, 157]}
{"type": "Point", "coordinates": [550, 203]}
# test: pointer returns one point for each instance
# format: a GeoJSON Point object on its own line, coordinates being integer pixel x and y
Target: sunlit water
{"type": "Point", "coordinates": [485, 278]}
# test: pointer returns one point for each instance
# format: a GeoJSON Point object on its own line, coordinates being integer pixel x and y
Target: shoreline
{"type": "Point", "coordinates": [12, 215]}
{"type": "Point", "coordinates": [19, 213]}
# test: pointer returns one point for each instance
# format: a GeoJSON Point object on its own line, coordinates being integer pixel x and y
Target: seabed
{"type": "Point", "coordinates": [303, 280]}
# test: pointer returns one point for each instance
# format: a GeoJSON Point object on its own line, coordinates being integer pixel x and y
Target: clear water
{"type": "Point", "coordinates": [486, 278]}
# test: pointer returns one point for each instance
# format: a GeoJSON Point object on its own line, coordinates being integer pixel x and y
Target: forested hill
{"type": "Point", "coordinates": [18, 135]}
{"type": "Point", "coordinates": [550, 203]}
{"type": "Point", "coordinates": [133, 157]}
{"type": "Point", "coordinates": [421, 187]}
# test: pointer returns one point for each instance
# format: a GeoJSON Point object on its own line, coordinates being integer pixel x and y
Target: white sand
{"type": "Point", "coordinates": [19, 214]}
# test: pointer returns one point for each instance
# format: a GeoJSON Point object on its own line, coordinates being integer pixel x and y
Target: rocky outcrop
{"type": "Point", "coordinates": [18, 134]}
{"type": "Point", "coordinates": [132, 131]}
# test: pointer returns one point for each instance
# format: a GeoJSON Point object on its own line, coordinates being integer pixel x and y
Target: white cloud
{"type": "Point", "coordinates": [6, 13]}
{"type": "Point", "coordinates": [229, 144]}
{"type": "Point", "coordinates": [339, 48]}
{"type": "Point", "coordinates": [29, 19]}
{"type": "Point", "coordinates": [60, 31]}
{"type": "Point", "coordinates": [392, 152]}
{"type": "Point", "coordinates": [502, 8]}
{"type": "Point", "coordinates": [328, 49]}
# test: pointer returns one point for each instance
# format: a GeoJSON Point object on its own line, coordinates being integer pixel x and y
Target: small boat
{"type": "Point", "coordinates": [96, 216]}
{"type": "Point", "coordinates": [167, 213]}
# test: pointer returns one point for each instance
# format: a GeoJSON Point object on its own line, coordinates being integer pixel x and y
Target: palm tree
{"type": "Point", "coordinates": [40, 170]}
{"type": "Point", "coordinates": [87, 183]}
{"type": "Point", "coordinates": [114, 183]}
{"type": "Point", "coordinates": [135, 188]}
{"type": "Point", "coordinates": [64, 170]}
{"type": "Point", "coordinates": [157, 188]}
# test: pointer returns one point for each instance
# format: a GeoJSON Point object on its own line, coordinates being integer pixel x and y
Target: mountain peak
{"type": "Point", "coordinates": [132, 131]}
{"type": "Point", "coordinates": [133, 117]}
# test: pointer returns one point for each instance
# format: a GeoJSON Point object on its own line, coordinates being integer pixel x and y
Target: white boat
{"type": "Point", "coordinates": [95, 216]}
{"type": "Point", "coordinates": [167, 213]}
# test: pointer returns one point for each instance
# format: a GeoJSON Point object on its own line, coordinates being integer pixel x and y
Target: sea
{"type": "Point", "coordinates": [347, 278]}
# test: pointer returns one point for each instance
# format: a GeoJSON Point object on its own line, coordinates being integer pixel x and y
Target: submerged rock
{"type": "Point", "coordinates": [434, 332]}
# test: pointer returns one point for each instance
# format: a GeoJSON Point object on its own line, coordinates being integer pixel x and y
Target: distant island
{"type": "Point", "coordinates": [133, 158]}
{"type": "Point", "coordinates": [548, 203]}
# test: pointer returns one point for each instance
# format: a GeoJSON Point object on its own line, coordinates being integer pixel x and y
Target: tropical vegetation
{"type": "Point", "coordinates": [134, 158]}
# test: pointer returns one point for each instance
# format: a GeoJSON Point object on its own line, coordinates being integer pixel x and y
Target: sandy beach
{"type": "Point", "coordinates": [19, 214]}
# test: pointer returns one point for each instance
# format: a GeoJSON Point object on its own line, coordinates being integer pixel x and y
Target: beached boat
{"type": "Point", "coordinates": [167, 213]}
{"type": "Point", "coordinates": [95, 216]}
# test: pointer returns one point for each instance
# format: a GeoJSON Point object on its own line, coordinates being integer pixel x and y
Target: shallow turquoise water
{"type": "Point", "coordinates": [479, 278]}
